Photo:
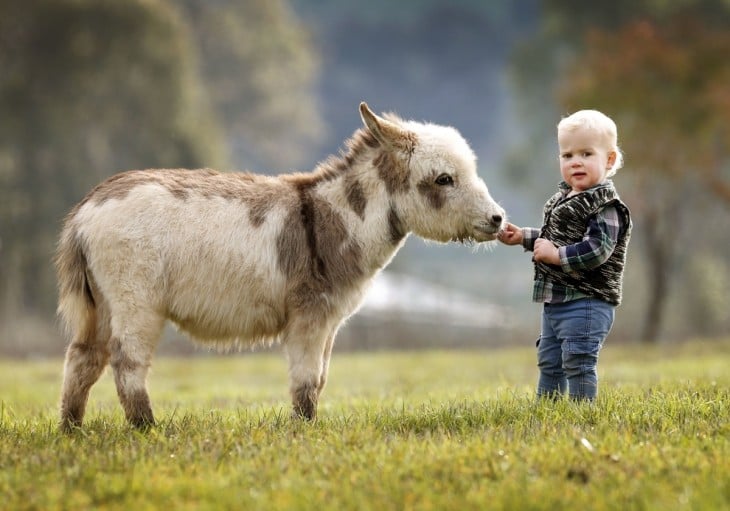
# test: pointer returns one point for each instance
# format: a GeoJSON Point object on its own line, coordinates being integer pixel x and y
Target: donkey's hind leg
{"type": "Point", "coordinates": [131, 349]}
{"type": "Point", "coordinates": [86, 358]}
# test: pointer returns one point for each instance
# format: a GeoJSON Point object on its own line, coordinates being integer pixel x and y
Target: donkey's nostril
{"type": "Point", "coordinates": [497, 219]}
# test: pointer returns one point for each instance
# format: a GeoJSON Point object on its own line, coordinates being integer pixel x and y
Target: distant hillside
{"type": "Point", "coordinates": [439, 61]}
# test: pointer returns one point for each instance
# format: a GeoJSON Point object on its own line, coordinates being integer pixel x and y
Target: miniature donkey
{"type": "Point", "coordinates": [237, 259]}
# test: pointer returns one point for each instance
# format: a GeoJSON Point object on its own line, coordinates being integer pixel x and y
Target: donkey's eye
{"type": "Point", "coordinates": [444, 180]}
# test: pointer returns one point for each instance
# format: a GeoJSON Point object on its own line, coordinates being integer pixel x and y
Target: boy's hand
{"type": "Point", "coordinates": [510, 235]}
{"type": "Point", "coordinates": [545, 252]}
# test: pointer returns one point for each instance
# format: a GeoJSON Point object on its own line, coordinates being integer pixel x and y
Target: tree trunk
{"type": "Point", "coordinates": [658, 292]}
{"type": "Point", "coordinates": [660, 259]}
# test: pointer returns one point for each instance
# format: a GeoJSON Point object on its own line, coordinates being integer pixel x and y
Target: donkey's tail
{"type": "Point", "coordinates": [76, 305]}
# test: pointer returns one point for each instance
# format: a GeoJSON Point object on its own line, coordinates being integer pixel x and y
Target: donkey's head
{"type": "Point", "coordinates": [430, 173]}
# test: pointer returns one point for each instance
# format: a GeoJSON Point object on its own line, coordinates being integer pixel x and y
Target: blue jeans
{"type": "Point", "coordinates": [567, 350]}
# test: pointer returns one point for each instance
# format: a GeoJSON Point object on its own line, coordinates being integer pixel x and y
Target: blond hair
{"type": "Point", "coordinates": [601, 125]}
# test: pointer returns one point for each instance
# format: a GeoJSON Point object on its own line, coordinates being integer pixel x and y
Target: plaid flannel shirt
{"type": "Point", "coordinates": [596, 247]}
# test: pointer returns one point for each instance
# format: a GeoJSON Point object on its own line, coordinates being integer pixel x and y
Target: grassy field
{"type": "Point", "coordinates": [423, 430]}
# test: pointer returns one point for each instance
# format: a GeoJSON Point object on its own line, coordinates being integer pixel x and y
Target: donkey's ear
{"type": "Point", "coordinates": [386, 132]}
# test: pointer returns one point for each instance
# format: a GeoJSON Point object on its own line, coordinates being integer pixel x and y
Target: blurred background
{"type": "Point", "coordinates": [89, 88]}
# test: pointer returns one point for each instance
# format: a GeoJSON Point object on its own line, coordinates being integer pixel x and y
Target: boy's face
{"type": "Point", "coordinates": [584, 159]}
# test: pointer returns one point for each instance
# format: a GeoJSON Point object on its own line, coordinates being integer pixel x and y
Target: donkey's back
{"type": "Point", "coordinates": [243, 259]}
{"type": "Point", "coordinates": [195, 246]}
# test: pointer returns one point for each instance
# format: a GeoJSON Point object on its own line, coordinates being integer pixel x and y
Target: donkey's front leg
{"type": "Point", "coordinates": [326, 355]}
{"type": "Point", "coordinates": [305, 349]}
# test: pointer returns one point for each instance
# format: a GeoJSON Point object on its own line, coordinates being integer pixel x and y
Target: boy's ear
{"type": "Point", "coordinates": [610, 160]}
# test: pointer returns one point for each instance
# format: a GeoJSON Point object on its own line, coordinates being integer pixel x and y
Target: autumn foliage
{"type": "Point", "coordinates": [667, 86]}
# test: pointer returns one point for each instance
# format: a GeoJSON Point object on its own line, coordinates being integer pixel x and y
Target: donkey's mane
{"type": "Point", "coordinates": [358, 144]}
{"type": "Point", "coordinates": [361, 141]}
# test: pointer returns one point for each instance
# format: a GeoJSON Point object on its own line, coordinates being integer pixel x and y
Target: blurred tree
{"type": "Point", "coordinates": [660, 70]}
{"type": "Point", "coordinates": [91, 87]}
{"type": "Point", "coordinates": [87, 88]}
{"type": "Point", "coordinates": [666, 87]}
{"type": "Point", "coordinates": [540, 61]}
{"type": "Point", "coordinates": [259, 67]}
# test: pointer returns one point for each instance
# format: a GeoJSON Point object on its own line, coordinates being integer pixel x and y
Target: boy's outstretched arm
{"type": "Point", "coordinates": [510, 235]}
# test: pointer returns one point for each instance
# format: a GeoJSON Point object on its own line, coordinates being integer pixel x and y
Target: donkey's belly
{"type": "Point", "coordinates": [255, 324]}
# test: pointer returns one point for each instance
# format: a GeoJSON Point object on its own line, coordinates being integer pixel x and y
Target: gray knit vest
{"type": "Point", "coordinates": [565, 222]}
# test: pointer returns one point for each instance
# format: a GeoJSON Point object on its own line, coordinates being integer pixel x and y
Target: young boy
{"type": "Point", "coordinates": [579, 256]}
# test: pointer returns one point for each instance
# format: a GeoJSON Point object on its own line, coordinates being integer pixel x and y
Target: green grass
{"type": "Point", "coordinates": [424, 430]}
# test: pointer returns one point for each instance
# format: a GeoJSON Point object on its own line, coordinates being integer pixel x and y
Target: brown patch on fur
{"type": "Point", "coordinates": [304, 400]}
{"type": "Point", "coordinates": [315, 251]}
{"type": "Point", "coordinates": [85, 361]}
{"type": "Point", "coordinates": [260, 193]}
{"type": "Point", "coordinates": [261, 203]}
{"type": "Point", "coordinates": [138, 409]}
{"type": "Point", "coordinates": [291, 244]}
{"type": "Point", "coordinates": [432, 192]}
{"type": "Point", "coordinates": [310, 221]}
{"type": "Point", "coordinates": [355, 196]}
{"type": "Point", "coordinates": [406, 139]}
{"type": "Point", "coordinates": [119, 360]}
{"type": "Point", "coordinates": [395, 225]}
{"type": "Point", "coordinates": [339, 256]}
{"type": "Point", "coordinates": [136, 402]}
{"type": "Point", "coordinates": [181, 183]}
{"type": "Point", "coordinates": [393, 172]}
